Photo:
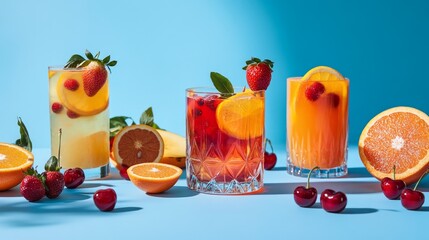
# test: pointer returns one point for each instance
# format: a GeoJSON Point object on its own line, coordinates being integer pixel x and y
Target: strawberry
{"type": "Point", "coordinates": [258, 74]}
{"type": "Point", "coordinates": [95, 74]}
{"type": "Point", "coordinates": [54, 181]}
{"type": "Point", "coordinates": [314, 91]}
{"type": "Point", "coordinates": [71, 84]}
{"type": "Point", "coordinates": [94, 78]}
{"type": "Point", "coordinates": [32, 187]}
{"type": "Point", "coordinates": [53, 178]}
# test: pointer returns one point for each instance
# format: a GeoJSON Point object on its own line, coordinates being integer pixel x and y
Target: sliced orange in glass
{"type": "Point", "coordinates": [137, 144]}
{"type": "Point", "coordinates": [242, 115]}
{"type": "Point", "coordinates": [154, 177]}
{"type": "Point", "coordinates": [396, 137]}
{"type": "Point", "coordinates": [77, 100]}
{"type": "Point", "coordinates": [322, 73]}
{"type": "Point", "coordinates": [14, 161]}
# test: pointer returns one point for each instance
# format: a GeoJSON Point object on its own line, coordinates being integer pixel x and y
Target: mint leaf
{"type": "Point", "coordinates": [221, 83]}
{"type": "Point", "coordinates": [74, 60]}
{"type": "Point", "coordinates": [147, 117]}
{"type": "Point", "coordinates": [25, 140]}
{"type": "Point", "coordinates": [117, 123]}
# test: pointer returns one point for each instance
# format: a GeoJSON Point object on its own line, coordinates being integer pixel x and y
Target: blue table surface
{"type": "Point", "coordinates": [181, 213]}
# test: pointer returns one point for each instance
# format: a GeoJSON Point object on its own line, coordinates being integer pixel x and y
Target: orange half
{"type": "Point", "coordinates": [154, 177]}
{"type": "Point", "coordinates": [396, 137]}
{"type": "Point", "coordinates": [14, 161]}
{"type": "Point", "coordinates": [137, 144]}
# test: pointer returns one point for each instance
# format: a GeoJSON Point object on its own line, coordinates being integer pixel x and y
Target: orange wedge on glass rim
{"type": "Point", "coordinates": [396, 137]}
{"type": "Point", "coordinates": [154, 177]}
{"type": "Point", "coordinates": [14, 161]}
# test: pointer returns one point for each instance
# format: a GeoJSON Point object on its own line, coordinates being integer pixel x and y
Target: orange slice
{"type": "Point", "coordinates": [137, 144]}
{"type": "Point", "coordinates": [14, 160]}
{"type": "Point", "coordinates": [77, 100]}
{"type": "Point", "coordinates": [154, 177]}
{"type": "Point", "coordinates": [322, 73]}
{"type": "Point", "coordinates": [242, 115]}
{"type": "Point", "coordinates": [396, 137]}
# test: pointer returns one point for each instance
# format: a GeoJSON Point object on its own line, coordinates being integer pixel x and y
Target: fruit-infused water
{"type": "Point", "coordinates": [84, 121]}
{"type": "Point", "coordinates": [317, 125]}
{"type": "Point", "coordinates": [225, 141]}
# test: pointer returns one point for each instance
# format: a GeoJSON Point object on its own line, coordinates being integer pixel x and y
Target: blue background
{"type": "Point", "coordinates": [164, 47]}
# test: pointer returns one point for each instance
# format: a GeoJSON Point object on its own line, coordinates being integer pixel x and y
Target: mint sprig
{"type": "Point", "coordinates": [221, 83]}
{"type": "Point", "coordinates": [25, 140]}
{"type": "Point", "coordinates": [119, 122]}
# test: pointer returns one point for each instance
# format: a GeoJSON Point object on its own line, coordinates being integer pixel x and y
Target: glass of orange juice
{"type": "Point", "coordinates": [225, 138]}
{"type": "Point", "coordinates": [84, 121]}
{"type": "Point", "coordinates": [317, 123]}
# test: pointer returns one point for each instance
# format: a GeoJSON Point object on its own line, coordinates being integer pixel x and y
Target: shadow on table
{"type": "Point", "coordinates": [346, 187]}
{"type": "Point", "coordinates": [348, 210]}
{"type": "Point", "coordinates": [176, 192]}
{"type": "Point", "coordinates": [13, 192]}
{"type": "Point", "coordinates": [356, 172]}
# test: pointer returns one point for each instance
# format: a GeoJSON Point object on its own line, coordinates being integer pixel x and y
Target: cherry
{"type": "Point", "coordinates": [123, 172]}
{"type": "Point", "coordinates": [305, 196]}
{"type": "Point", "coordinates": [332, 201]}
{"type": "Point", "coordinates": [412, 199]}
{"type": "Point", "coordinates": [270, 159]}
{"type": "Point", "coordinates": [74, 177]}
{"type": "Point", "coordinates": [392, 188]}
{"type": "Point", "coordinates": [105, 199]}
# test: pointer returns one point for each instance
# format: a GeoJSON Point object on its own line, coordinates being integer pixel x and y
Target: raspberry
{"type": "Point", "coordinates": [56, 107]}
{"type": "Point", "coordinates": [333, 99]}
{"type": "Point", "coordinates": [314, 91]}
{"type": "Point", "coordinates": [72, 114]}
{"type": "Point", "coordinates": [71, 84]}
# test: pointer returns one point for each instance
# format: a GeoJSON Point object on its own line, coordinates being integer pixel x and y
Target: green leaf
{"type": "Point", "coordinates": [97, 55]}
{"type": "Point", "coordinates": [106, 59]}
{"type": "Point", "coordinates": [84, 63]}
{"type": "Point", "coordinates": [74, 60]}
{"type": "Point", "coordinates": [257, 60]}
{"type": "Point", "coordinates": [222, 84]}
{"type": "Point", "coordinates": [112, 63]}
{"type": "Point", "coordinates": [25, 140]}
{"type": "Point", "coordinates": [147, 117]}
{"type": "Point", "coordinates": [89, 55]}
{"type": "Point", "coordinates": [52, 164]}
{"type": "Point", "coordinates": [119, 122]}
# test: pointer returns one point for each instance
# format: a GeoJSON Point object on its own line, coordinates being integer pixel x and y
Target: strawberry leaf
{"type": "Point", "coordinates": [52, 164]}
{"type": "Point", "coordinates": [97, 55]}
{"type": "Point", "coordinates": [221, 83]}
{"type": "Point", "coordinates": [112, 63]}
{"type": "Point", "coordinates": [89, 55]}
{"type": "Point", "coordinates": [25, 140]}
{"type": "Point", "coordinates": [106, 59]}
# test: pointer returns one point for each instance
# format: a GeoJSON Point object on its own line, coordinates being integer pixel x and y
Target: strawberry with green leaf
{"type": "Point", "coordinates": [95, 75]}
{"type": "Point", "coordinates": [258, 73]}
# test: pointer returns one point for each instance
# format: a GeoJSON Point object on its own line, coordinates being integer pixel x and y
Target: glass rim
{"type": "Point", "coordinates": [62, 68]}
{"type": "Point", "coordinates": [299, 79]}
{"type": "Point", "coordinates": [213, 90]}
